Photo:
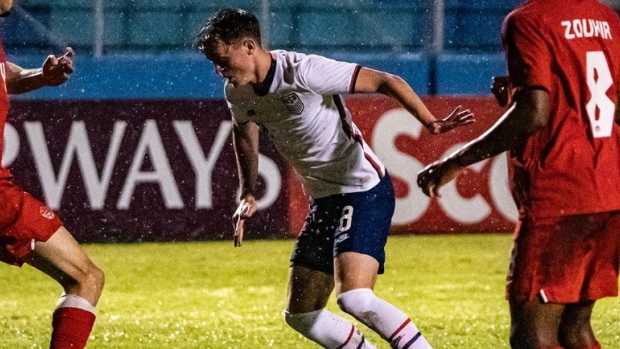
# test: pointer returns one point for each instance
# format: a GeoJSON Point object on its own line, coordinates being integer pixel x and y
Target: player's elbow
{"type": "Point", "coordinates": [540, 117]}
{"type": "Point", "coordinates": [390, 84]}
{"type": "Point", "coordinates": [535, 107]}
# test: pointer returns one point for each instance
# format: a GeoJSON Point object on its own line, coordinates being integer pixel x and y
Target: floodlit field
{"type": "Point", "coordinates": [210, 295]}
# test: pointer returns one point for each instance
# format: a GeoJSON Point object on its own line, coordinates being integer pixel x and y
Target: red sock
{"type": "Point", "coordinates": [71, 328]}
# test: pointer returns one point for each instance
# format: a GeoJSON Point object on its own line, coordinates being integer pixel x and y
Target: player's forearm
{"type": "Point", "coordinates": [248, 173]}
{"type": "Point", "coordinates": [246, 151]}
{"type": "Point", "coordinates": [21, 80]}
{"type": "Point", "coordinates": [524, 118]}
{"type": "Point", "coordinates": [399, 90]}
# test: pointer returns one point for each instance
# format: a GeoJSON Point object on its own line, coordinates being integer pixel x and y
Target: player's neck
{"type": "Point", "coordinates": [263, 86]}
{"type": "Point", "coordinates": [263, 64]}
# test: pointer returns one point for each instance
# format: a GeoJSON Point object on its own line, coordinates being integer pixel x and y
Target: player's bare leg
{"type": "Point", "coordinates": [308, 290]}
{"type": "Point", "coordinates": [63, 259]}
{"type": "Point", "coordinates": [355, 275]}
{"type": "Point", "coordinates": [535, 324]}
{"type": "Point", "coordinates": [308, 293]}
{"type": "Point", "coordinates": [353, 271]}
{"type": "Point", "coordinates": [576, 328]}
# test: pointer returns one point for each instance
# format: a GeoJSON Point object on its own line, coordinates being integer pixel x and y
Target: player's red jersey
{"type": "Point", "coordinates": [572, 165]}
{"type": "Point", "coordinates": [4, 109]}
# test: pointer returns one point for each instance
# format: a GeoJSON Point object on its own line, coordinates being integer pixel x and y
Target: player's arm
{"type": "Point", "coordinates": [245, 142]}
{"type": "Point", "coordinates": [374, 81]}
{"type": "Point", "coordinates": [528, 114]}
{"type": "Point", "coordinates": [54, 72]}
{"type": "Point", "coordinates": [502, 90]}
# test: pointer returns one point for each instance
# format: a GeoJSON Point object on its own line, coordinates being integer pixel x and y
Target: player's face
{"type": "Point", "coordinates": [233, 62]}
{"type": "Point", "coordinates": [5, 6]}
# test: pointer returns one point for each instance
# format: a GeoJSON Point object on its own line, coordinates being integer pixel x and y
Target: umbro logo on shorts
{"type": "Point", "coordinates": [341, 238]}
{"type": "Point", "coordinates": [46, 212]}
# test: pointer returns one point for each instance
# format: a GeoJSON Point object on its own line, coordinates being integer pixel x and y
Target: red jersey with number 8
{"type": "Point", "coordinates": [4, 109]}
{"type": "Point", "coordinates": [572, 165]}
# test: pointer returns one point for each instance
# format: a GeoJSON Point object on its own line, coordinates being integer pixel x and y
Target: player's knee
{"type": "Point", "coordinates": [302, 322]}
{"type": "Point", "coordinates": [577, 338]}
{"type": "Point", "coordinates": [576, 330]}
{"type": "Point", "coordinates": [515, 341]}
{"type": "Point", "coordinates": [90, 281]}
{"type": "Point", "coordinates": [97, 278]}
{"type": "Point", "coordinates": [358, 303]}
{"type": "Point", "coordinates": [523, 339]}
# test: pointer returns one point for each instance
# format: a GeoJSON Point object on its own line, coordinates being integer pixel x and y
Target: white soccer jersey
{"type": "Point", "coordinates": [305, 116]}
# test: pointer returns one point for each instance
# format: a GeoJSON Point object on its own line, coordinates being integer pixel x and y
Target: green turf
{"type": "Point", "coordinates": [211, 295]}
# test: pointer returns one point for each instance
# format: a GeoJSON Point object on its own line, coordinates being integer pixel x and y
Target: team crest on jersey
{"type": "Point", "coordinates": [46, 212]}
{"type": "Point", "coordinates": [293, 103]}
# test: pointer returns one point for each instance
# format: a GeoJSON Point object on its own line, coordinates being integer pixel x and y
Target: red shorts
{"type": "Point", "coordinates": [23, 220]}
{"type": "Point", "coordinates": [565, 259]}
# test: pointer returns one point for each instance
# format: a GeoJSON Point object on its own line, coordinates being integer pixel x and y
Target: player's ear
{"type": "Point", "coordinates": [250, 45]}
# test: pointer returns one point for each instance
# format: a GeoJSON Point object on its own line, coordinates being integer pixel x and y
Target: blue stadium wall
{"type": "Point", "coordinates": [148, 43]}
{"type": "Point", "coordinates": [191, 76]}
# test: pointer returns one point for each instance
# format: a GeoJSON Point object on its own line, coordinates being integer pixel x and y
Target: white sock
{"type": "Point", "coordinates": [327, 329]}
{"type": "Point", "coordinates": [73, 301]}
{"type": "Point", "coordinates": [384, 318]}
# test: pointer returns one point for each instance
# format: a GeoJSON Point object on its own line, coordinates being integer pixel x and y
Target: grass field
{"type": "Point", "coordinates": [210, 295]}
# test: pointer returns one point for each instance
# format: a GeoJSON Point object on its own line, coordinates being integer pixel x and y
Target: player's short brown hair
{"type": "Point", "coordinates": [228, 25]}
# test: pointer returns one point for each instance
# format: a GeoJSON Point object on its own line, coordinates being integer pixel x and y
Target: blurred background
{"type": "Point", "coordinates": [136, 147]}
{"type": "Point", "coordinates": [440, 46]}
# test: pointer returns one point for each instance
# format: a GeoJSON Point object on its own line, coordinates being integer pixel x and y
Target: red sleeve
{"type": "Point", "coordinates": [527, 52]}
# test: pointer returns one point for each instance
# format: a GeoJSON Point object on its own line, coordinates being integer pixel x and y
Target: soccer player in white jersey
{"type": "Point", "coordinates": [296, 98]}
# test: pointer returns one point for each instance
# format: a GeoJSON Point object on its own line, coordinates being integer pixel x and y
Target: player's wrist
{"type": "Point", "coordinates": [246, 195]}
{"type": "Point", "coordinates": [432, 126]}
{"type": "Point", "coordinates": [459, 160]}
{"type": "Point", "coordinates": [36, 76]}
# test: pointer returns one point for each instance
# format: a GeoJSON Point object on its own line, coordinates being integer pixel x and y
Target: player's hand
{"type": "Point", "coordinates": [457, 118]}
{"type": "Point", "coordinates": [56, 70]}
{"type": "Point", "coordinates": [435, 175]}
{"type": "Point", "coordinates": [246, 209]}
{"type": "Point", "coordinates": [502, 90]}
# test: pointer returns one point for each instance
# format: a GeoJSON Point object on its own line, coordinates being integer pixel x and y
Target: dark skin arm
{"type": "Point", "coordinates": [528, 114]}
{"type": "Point", "coordinates": [55, 71]}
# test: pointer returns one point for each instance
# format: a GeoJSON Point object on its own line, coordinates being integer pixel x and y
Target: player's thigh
{"type": "Point", "coordinates": [535, 323]}
{"type": "Point", "coordinates": [577, 317]}
{"type": "Point", "coordinates": [308, 289]}
{"type": "Point", "coordinates": [354, 270]}
{"type": "Point", "coordinates": [62, 258]}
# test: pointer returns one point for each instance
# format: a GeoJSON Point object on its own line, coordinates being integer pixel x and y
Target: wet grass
{"type": "Point", "coordinates": [211, 295]}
